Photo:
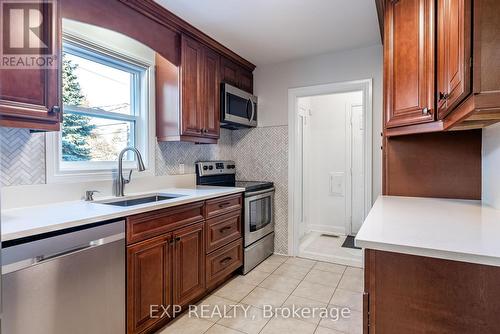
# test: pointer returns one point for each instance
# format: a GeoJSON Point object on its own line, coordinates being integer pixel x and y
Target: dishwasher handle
{"type": "Point", "coordinates": [39, 259]}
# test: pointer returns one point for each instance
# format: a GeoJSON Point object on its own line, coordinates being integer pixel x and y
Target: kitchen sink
{"type": "Point", "coordinates": [151, 198]}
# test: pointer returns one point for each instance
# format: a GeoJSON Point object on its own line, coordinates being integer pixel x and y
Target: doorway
{"type": "Point", "coordinates": [330, 169]}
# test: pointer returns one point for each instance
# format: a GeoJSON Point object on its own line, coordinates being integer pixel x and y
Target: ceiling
{"type": "Point", "coordinates": [271, 31]}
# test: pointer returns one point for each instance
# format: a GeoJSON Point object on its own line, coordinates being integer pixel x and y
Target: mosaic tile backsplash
{"type": "Point", "coordinates": [22, 157]}
{"type": "Point", "coordinates": [260, 154]}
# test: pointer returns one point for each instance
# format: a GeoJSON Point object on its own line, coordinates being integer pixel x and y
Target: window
{"type": "Point", "coordinates": [106, 107]}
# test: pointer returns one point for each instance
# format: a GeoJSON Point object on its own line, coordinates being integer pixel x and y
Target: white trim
{"type": "Point", "coordinates": [104, 171]}
{"type": "Point", "coordinates": [293, 94]}
{"type": "Point", "coordinates": [348, 169]}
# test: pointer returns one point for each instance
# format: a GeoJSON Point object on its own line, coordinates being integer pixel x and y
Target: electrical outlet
{"type": "Point", "coordinates": [181, 168]}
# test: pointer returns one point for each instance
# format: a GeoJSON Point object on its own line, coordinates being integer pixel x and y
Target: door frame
{"type": "Point", "coordinates": [366, 86]}
{"type": "Point", "coordinates": [349, 163]}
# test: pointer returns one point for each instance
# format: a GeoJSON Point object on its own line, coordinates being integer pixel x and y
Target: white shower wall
{"type": "Point", "coordinates": [327, 160]}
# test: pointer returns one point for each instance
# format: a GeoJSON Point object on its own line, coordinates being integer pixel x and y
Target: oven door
{"type": "Point", "coordinates": [239, 107]}
{"type": "Point", "coordinates": [259, 215]}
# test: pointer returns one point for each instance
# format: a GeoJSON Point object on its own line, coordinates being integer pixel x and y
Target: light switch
{"type": "Point", "coordinates": [337, 184]}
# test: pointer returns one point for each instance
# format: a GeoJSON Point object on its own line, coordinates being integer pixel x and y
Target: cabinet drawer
{"type": "Point", "coordinates": [222, 230]}
{"type": "Point", "coordinates": [151, 224]}
{"type": "Point", "coordinates": [218, 206]}
{"type": "Point", "coordinates": [224, 261]}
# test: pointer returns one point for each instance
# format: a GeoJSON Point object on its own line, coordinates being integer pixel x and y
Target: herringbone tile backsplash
{"type": "Point", "coordinates": [22, 157]}
{"type": "Point", "coordinates": [170, 154]}
{"type": "Point", "coordinates": [260, 154]}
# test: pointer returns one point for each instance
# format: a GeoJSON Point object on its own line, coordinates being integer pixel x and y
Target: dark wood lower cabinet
{"type": "Point", "coordinates": [149, 282]}
{"type": "Point", "coordinates": [167, 258]}
{"type": "Point", "coordinates": [416, 294]}
{"type": "Point", "coordinates": [189, 264]}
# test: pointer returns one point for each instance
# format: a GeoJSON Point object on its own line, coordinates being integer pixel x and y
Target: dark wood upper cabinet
{"type": "Point", "coordinates": [191, 73]}
{"type": "Point", "coordinates": [189, 264]}
{"type": "Point", "coordinates": [149, 282]}
{"type": "Point", "coordinates": [211, 94]}
{"type": "Point", "coordinates": [246, 80]}
{"type": "Point", "coordinates": [229, 72]}
{"type": "Point", "coordinates": [465, 66]}
{"type": "Point", "coordinates": [409, 62]}
{"type": "Point", "coordinates": [195, 117]}
{"type": "Point", "coordinates": [236, 75]}
{"type": "Point", "coordinates": [454, 54]}
{"type": "Point", "coordinates": [30, 98]}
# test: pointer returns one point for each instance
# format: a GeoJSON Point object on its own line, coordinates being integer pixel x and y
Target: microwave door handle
{"type": "Point", "coordinates": [246, 108]}
{"type": "Point", "coordinates": [253, 110]}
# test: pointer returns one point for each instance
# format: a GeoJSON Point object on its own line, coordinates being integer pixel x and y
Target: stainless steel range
{"type": "Point", "coordinates": [258, 209]}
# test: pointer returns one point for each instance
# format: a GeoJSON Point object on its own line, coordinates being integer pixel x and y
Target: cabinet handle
{"type": "Point", "coordinates": [443, 96]}
{"type": "Point", "coordinates": [55, 110]}
{"type": "Point", "coordinates": [225, 260]}
{"type": "Point", "coordinates": [222, 205]}
{"type": "Point", "coordinates": [426, 111]}
{"type": "Point", "coordinates": [177, 239]}
{"type": "Point", "coordinates": [224, 229]}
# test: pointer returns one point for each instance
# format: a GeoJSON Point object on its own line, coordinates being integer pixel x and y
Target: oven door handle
{"type": "Point", "coordinates": [258, 192]}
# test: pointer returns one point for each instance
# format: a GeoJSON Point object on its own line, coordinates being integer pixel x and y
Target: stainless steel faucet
{"type": "Point", "coordinates": [121, 181]}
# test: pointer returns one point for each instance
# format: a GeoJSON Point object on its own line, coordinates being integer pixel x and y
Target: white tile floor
{"type": "Point", "coordinates": [316, 246]}
{"type": "Point", "coordinates": [282, 281]}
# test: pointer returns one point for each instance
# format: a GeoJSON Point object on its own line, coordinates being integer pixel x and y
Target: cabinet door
{"type": "Point", "coordinates": [189, 264]}
{"type": "Point", "coordinates": [236, 75]}
{"type": "Point", "coordinates": [229, 72]}
{"type": "Point", "coordinates": [409, 62]}
{"type": "Point", "coordinates": [191, 76]}
{"type": "Point", "coordinates": [246, 80]}
{"type": "Point", "coordinates": [211, 93]}
{"type": "Point", "coordinates": [454, 54]}
{"type": "Point", "coordinates": [30, 98]}
{"type": "Point", "coordinates": [149, 281]}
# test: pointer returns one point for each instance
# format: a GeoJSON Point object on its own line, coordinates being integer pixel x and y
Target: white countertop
{"type": "Point", "coordinates": [29, 221]}
{"type": "Point", "coordinates": [460, 230]}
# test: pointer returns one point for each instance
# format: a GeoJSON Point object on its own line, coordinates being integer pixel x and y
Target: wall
{"type": "Point", "coordinates": [271, 84]}
{"type": "Point", "coordinates": [261, 154]}
{"type": "Point", "coordinates": [491, 166]}
{"type": "Point", "coordinates": [23, 172]}
{"type": "Point", "coordinates": [22, 157]}
{"type": "Point", "coordinates": [273, 81]}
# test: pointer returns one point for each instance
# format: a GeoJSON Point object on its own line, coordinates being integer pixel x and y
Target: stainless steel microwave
{"type": "Point", "coordinates": [238, 108]}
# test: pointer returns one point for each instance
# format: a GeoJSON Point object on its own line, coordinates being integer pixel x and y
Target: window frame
{"type": "Point", "coordinates": [142, 105]}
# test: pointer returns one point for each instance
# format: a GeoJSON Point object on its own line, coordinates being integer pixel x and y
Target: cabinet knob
{"type": "Point", "coordinates": [426, 111]}
{"type": "Point", "coordinates": [55, 109]}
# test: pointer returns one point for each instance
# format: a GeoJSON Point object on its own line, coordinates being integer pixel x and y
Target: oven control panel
{"type": "Point", "coordinates": [204, 168]}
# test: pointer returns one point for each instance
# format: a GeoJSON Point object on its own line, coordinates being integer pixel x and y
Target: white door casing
{"type": "Point", "coordinates": [294, 170]}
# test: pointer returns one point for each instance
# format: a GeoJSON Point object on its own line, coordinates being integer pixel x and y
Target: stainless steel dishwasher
{"type": "Point", "coordinates": [70, 281]}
